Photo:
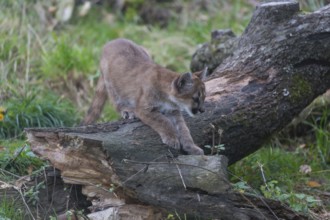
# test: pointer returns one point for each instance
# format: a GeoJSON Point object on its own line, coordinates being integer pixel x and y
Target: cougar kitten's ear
{"type": "Point", "coordinates": [183, 80]}
{"type": "Point", "coordinates": [202, 74]}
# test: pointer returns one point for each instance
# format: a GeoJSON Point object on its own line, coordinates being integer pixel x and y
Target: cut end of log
{"type": "Point", "coordinates": [279, 3]}
{"type": "Point", "coordinates": [278, 9]}
{"type": "Point", "coordinates": [266, 17]}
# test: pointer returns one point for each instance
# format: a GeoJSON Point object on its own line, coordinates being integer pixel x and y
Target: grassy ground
{"type": "Point", "coordinates": [48, 74]}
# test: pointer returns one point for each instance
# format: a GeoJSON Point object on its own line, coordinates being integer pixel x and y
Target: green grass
{"type": "Point", "coordinates": [321, 127]}
{"type": "Point", "coordinates": [17, 159]}
{"type": "Point", "coordinates": [271, 160]}
{"type": "Point", "coordinates": [274, 171]}
{"type": "Point", "coordinates": [30, 109]}
{"type": "Point", "coordinates": [9, 211]}
{"type": "Point", "coordinates": [65, 57]}
{"type": "Point", "coordinates": [311, 5]}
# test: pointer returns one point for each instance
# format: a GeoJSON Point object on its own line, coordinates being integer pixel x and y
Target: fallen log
{"type": "Point", "coordinates": [115, 177]}
{"type": "Point", "coordinates": [280, 65]}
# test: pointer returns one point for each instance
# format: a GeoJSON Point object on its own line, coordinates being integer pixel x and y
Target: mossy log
{"type": "Point", "coordinates": [281, 64]}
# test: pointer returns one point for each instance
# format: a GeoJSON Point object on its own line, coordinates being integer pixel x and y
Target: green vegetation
{"type": "Point", "coordinates": [8, 210]}
{"type": "Point", "coordinates": [321, 129]}
{"type": "Point", "coordinates": [32, 110]}
{"type": "Point", "coordinates": [17, 159]}
{"type": "Point", "coordinates": [66, 58]}
{"type": "Point", "coordinates": [295, 174]}
{"type": "Point", "coordinates": [48, 72]}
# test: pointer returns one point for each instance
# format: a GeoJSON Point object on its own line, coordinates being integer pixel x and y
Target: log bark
{"type": "Point", "coordinates": [148, 183]}
{"type": "Point", "coordinates": [280, 65]}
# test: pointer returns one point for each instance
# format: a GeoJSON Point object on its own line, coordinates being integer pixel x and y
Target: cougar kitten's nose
{"type": "Point", "coordinates": [195, 111]}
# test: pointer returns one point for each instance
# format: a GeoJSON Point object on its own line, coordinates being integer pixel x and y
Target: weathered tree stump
{"type": "Point", "coordinates": [280, 65]}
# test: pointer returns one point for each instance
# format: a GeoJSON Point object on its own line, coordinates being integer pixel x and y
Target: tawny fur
{"type": "Point", "coordinates": [138, 87]}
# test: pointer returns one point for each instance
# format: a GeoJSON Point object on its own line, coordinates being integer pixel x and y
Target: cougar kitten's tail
{"type": "Point", "coordinates": [98, 102]}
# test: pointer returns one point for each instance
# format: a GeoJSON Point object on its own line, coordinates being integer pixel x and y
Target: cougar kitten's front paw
{"type": "Point", "coordinates": [193, 150]}
{"type": "Point", "coordinates": [171, 141]}
{"type": "Point", "coordinates": [127, 115]}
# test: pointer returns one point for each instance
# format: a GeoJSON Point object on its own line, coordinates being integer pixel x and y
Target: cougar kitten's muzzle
{"type": "Point", "coordinates": [196, 110]}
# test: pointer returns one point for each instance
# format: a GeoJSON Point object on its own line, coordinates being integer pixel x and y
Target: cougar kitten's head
{"type": "Point", "coordinates": [189, 92]}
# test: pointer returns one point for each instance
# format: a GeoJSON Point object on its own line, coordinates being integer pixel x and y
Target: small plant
{"type": "Point", "coordinates": [241, 186]}
{"type": "Point", "coordinates": [300, 202]}
{"type": "Point", "coordinates": [19, 160]}
{"type": "Point", "coordinates": [33, 193]}
{"type": "Point", "coordinates": [9, 210]}
{"type": "Point", "coordinates": [271, 190]}
{"type": "Point", "coordinates": [216, 149]}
